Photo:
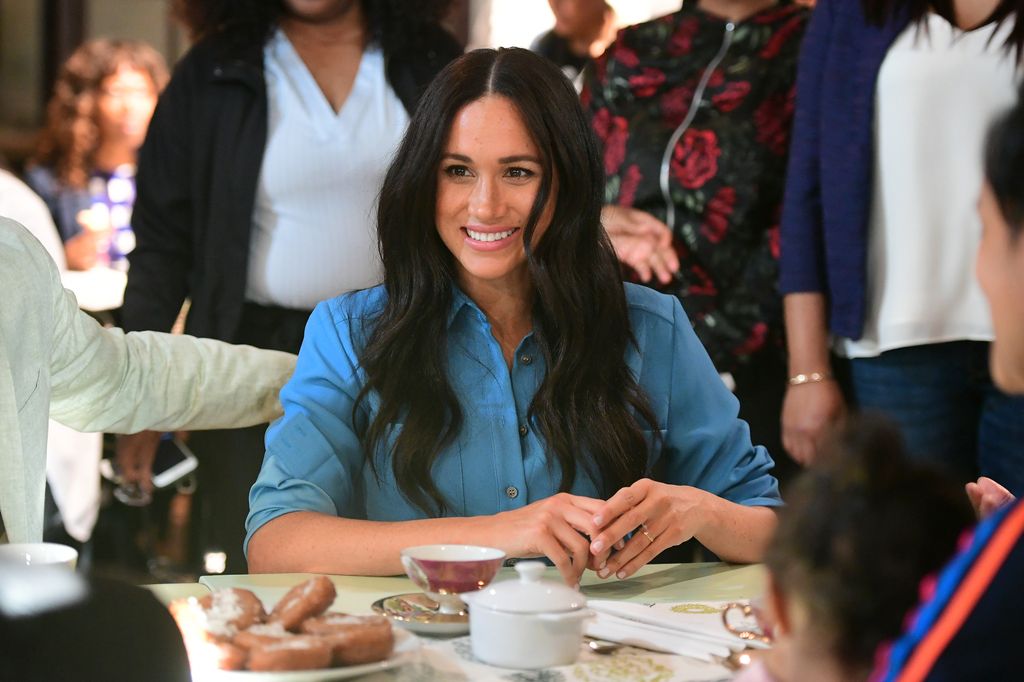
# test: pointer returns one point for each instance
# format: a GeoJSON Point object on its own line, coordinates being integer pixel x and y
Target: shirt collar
{"type": "Point", "coordinates": [461, 301]}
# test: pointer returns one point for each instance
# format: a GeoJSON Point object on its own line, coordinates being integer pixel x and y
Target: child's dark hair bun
{"type": "Point", "coordinates": [862, 527]}
{"type": "Point", "coordinates": [868, 458]}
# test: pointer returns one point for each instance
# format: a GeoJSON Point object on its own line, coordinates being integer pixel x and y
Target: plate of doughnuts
{"type": "Point", "coordinates": [231, 636]}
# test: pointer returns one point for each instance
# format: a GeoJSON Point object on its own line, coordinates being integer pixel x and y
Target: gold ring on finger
{"type": "Point", "coordinates": [643, 529]}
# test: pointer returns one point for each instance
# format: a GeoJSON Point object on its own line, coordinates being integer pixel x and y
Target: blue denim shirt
{"type": "Point", "coordinates": [497, 462]}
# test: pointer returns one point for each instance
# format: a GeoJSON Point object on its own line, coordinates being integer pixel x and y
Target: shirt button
{"type": "Point", "coordinates": [525, 359]}
{"type": "Point", "coordinates": [523, 430]}
{"type": "Point", "coordinates": [511, 492]}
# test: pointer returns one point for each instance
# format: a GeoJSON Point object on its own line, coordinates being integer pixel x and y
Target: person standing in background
{"type": "Point", "coordinates": [880, 227]}
{"type": "Point", "coordinates": [84, 170]}
{"type": "Point", "coordinates": [694, 111]}
{"type": "Point", "coordinates": [257, 182]}
{"type": "Point", "coordinates": [19, 203]}
{"type": "Point", "coordinates": [84, 165]}
{"type": "Point", "coordinates": [582, 30]}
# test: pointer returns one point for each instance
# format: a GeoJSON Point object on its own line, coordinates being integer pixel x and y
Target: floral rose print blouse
{"type": "Point", "coordinates": [723, 93]}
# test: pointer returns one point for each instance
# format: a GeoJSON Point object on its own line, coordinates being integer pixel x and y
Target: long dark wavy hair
{"type": "Point", "coordinates": [71, 137]}
{"type": "Point", "coordinates": [879, 12]}
{"type": "Point", "coordinates": [589, 409]}
{"type": "Point", "coordinates": [391, 23]}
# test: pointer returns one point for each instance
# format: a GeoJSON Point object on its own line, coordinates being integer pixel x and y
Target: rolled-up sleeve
{"type": "Point", "coordinates": [706, 444]}
{"type": "Point", "coordinates": [314, 459]}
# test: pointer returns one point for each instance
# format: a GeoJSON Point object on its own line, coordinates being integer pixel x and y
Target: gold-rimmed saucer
{"type": "Point", "coordinates": [417, 612]}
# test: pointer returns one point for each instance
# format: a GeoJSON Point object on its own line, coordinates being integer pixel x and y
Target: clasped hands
{"type": "Point", "coordinates": [613, 537]}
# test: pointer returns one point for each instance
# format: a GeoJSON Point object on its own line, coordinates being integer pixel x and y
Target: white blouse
{"type": "Point", "coordinates": [314, 224]}
{"type": "Point", "coordinates": [938, 90]}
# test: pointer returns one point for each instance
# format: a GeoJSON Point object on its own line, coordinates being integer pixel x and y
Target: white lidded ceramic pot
{"type": "Point", "coordinates": [527, 623]}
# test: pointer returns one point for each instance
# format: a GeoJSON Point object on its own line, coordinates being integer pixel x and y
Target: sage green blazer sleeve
{"type": "Point", "coordinates": [57, 361]}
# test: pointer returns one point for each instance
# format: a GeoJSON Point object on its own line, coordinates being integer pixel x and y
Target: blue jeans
{"type": "Point", "coordinates": [950, 413]}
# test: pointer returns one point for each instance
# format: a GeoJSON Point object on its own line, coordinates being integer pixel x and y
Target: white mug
{"type": "Point", "coordinates": [39, 554]}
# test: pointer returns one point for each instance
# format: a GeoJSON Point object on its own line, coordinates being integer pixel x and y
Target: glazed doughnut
{"type": "Point", "coordinates": [261, 634]}
{"type": "Point", "coordinates": [225, 655]}
{"type": "Point", "coordinates": [230, 610]}
{"type": "Point", "coordinates": [296, 652]}
{"type": "Point", "coordinates": [303, 601]}
{"type": "Point", "coordinates": [202, 645]}
{"type": "Point", "coordinates": [354, 639]}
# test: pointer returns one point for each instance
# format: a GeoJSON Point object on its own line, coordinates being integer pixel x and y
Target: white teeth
{"type": "Point", "coordinates": [489, 236]}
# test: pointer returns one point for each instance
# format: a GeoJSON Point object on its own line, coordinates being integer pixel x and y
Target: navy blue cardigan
{"type": "Point", "coordinates": [828, 184]}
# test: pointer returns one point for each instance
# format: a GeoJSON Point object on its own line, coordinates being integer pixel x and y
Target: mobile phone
{"type": "Point", "coordinates": [173, 461]}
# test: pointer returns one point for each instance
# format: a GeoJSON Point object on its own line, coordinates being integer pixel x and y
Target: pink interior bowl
{"type": "Point", "coordinates": [451, 569]}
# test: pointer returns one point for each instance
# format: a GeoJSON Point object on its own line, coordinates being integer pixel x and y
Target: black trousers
{"type": "Point", "coordinates": [230, 460]}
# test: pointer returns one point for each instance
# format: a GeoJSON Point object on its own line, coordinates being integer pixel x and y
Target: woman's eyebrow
{"type": "Point", "coordinates": [503, 160]}
{"type": "Point", "coordinates": [518, 158]}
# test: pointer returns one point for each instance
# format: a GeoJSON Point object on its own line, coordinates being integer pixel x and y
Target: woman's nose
{"type": "Point", "coordinates": [485, 201]}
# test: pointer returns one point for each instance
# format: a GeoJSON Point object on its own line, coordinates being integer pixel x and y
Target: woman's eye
{"type": "Point", "coordinates": [519, 173]}
{"type": "Point", "coordinates": [456, 171]}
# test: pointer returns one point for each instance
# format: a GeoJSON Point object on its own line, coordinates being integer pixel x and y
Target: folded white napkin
{"type": "Point", "coordinates": [688, 629]}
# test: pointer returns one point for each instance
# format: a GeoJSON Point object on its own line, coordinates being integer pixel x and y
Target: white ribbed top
{"type": "Point", "coordinates": [314, 223]}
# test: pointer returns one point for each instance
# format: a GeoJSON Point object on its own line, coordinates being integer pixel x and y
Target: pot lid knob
{"type": "Point", "coordinates": [529, 594]}
{"type": "Point", "coordinates": [530, 571]}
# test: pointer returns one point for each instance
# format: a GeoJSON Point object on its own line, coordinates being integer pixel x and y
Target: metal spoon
{"type": "Point", "coordinates": [604, 647]}
{"type": "Point", "coordinates": [736, 660]}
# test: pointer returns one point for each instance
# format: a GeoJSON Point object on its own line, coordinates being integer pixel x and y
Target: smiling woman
{"type": "Point", "coordinates": [484, 202]}
{"type": "Point", "coordinates": [503, 383]}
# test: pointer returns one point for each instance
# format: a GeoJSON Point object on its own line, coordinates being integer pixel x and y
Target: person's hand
{"type": "Point", "coordinates": [809, 412]}
{"type": "Point", "coordinates": [558, 527]}
{"type": "Point", "coordinates": [986, 496]}
{"type": "Point", "coordinates": [641, 241]}
{"type": "Point", "coordinates": [659, 515]}
{"type": "Point", "coordinates": [82, 250]}
{"type": "Point", "coordinates": [134, 455]}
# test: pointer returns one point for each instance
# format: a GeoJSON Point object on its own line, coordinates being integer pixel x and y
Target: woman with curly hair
{"type": "Point", "coordinates": [84, 166]}
{"type": "Point", "coordinates": [257, 182]}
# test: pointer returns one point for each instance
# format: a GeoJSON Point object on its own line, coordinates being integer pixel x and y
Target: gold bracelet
{"type": "Point", "coordinates": [811, 378]}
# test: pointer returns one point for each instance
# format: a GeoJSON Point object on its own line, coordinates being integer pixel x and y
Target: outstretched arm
{"type": "Point", "coordinates": [106, 380]}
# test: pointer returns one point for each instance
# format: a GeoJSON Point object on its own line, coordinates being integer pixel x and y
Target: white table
{"type": "Point", "coordinates": [451, 659]}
